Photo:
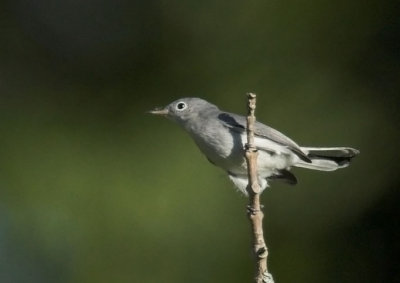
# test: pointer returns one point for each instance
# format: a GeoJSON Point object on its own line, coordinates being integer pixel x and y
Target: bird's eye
{"type": "Point", "coordinates": [181, 106]}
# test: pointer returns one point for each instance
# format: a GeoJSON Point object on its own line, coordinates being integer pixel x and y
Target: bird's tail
{"type": "Point", "coordinates": [327, 158]}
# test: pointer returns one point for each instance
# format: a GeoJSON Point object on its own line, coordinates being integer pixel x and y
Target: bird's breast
{"type": "Point", "coordinates": [221, 147]}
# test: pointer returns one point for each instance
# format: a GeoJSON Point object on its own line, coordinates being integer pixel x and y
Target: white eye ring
{"type": "Point", "coordinates": [180, 106]}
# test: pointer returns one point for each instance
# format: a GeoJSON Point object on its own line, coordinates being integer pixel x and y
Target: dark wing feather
{"type": "Point", "coordinates": [284, 175]}
{"type": "Point", "coordinates": [238, 123]}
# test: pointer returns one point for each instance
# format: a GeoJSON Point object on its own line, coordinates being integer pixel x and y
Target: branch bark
{"type": "Point", "coordinates": [254, 208]}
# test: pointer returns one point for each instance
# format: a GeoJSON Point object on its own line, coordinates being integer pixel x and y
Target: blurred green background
{"type": "Point", "coordinates": [93, 189]}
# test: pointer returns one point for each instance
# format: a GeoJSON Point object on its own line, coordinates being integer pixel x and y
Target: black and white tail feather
{"type": "Point", "coordinates": [315, 158]}
{"type": "Point", "coordinates": [327, 158]}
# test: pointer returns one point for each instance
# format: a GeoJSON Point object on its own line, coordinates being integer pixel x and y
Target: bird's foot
{"type": "Point", "coordinates": [251, 210]}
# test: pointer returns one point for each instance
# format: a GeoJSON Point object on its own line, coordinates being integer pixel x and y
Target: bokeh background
{"type": "Point", "coordinates": [93, 189]}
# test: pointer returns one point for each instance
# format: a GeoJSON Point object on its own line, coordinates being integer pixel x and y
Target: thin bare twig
{"type": "Point", "coordinates": [254, 209]}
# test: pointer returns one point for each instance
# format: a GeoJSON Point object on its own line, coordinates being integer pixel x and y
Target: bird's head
{"type": "Point", "coordinates": [184, 109]}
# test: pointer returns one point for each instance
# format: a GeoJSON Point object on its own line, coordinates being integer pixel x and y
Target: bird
{"type": "Point", "coordinates": [221, 136]}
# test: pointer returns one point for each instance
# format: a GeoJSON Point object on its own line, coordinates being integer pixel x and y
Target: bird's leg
{"type": "Point", "coordinates": [252, 211]}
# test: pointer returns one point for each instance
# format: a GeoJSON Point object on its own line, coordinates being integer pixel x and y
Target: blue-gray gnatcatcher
{"type": "Point", "coordinates": [221, 137]}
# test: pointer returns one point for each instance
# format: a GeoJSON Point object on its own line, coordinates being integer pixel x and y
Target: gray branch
{"type": "Point", "coordinates": [254, 209]}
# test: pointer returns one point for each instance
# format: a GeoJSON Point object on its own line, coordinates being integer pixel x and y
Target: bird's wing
{"type": "Point", "coordinates": [238, 123]}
